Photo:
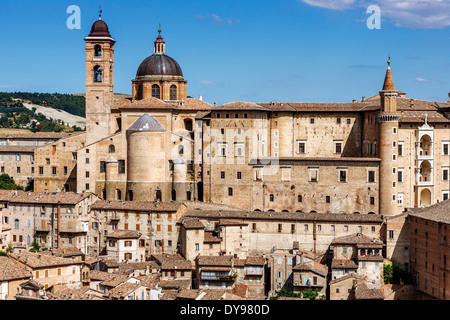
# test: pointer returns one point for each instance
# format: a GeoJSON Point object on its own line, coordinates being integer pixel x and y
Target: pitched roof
{"type": "Point", "coordinates": [172, 261]}
{"type": "Point", "coordinates": [136, 206]}
{"type": "Point", "coordinates": [362, 292]}
{"type": "Point", "coordinates": [39, 260]}
{"type": "Point", "coordinates": [290, 216]}
{"type": "Point", "coordinates": [313, 266]}
{"type": "Point", "coordinates": [192, 223]}
{"type": "Point", "coordinates": [18, 149]}
{"type": "Point", "coordinates": [50, 198]}
{"type": "Point", "coordinates": [255, 261]}
{"type": "Point", "coordinates": [124, 234]}
{"type": "Point", "coordinates": [10, 270]}
{"type": "Point", "coordinates": [358, 239]}
{"type": "Point", "coordinates": [146, 123]}
{"type": "Point", "coordinates": [343, 264]}
{"type": "Point", "coordinates": [7, 195]}
{"type": "Point", "coordinates": [148, 103]}
{"type": "Point", "coordinates": [440, 212]}
{"type": "Point", "coordinates": [215, 261]}
{"type": "Point", "coordinates": [240, 105]}
{"type": "Point", "coordinates": [122, 290]}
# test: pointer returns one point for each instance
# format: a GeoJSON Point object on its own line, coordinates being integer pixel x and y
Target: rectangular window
{"type": "Point", "coordinates": [313, 174]}
{"type": "Point", "coordinates": [239, 175]}
{"type": "Point", "coordinates": [445, 174]}
{"type": "Point", "coordinates": [391, 234]}
{"type": "Point", "coordinates": [301, 147]}
{"type": "Point", "coordinates": [445, 147]}
{"type": "Point", "coordinates": [121, 166]}
{"type": "Point", "coordinates": [400, 174]}
{"type": "Point", "coordinates": [285, 174]}
{"type": "Point", "coordinates": [102, 166]}
{"type": "Point", "coordinates": [371, 176]}
{"type": "Point", "coordinates": [400, 149]}
{"type": "Point", "coordinates": [338, 147]}
{"type": "Point", "coordinates": [343, 175]}
{"type": "Point", "coordinates": [222, 175]}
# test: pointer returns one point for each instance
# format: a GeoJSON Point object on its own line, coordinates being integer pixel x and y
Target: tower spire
{"type": "Point", "coordinates": [160, 44]}
{"type": "Point", "coordinates": [389, 80]}
{"type": "Point", "coordinates": [100, 11]}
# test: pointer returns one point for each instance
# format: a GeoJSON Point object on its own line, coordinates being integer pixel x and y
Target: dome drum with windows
{"type": "Point", "coordinates": [159, 76]}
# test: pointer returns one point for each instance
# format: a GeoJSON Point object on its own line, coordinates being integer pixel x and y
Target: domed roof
{"type": "Point", "coordinates": [99, 29]}
{"type": "Point", "coordinates": [160, 65]}
{"type": "Point", "coordinates": [146, 123]}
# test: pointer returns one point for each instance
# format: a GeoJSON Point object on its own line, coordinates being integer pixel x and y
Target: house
{"type": "Point", "coordinates": [310, 275]}
{"type": "Point", "coordinates": [123, 245]}
{"type": "Point", "coordinates": [360, 254]}
{"type": "Point", "coordinates": [51, 271]}
{"type": "Point", "coordinates": [12, 276]}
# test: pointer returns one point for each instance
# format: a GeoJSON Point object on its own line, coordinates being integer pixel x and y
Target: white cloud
{"type": "Point", "coordinates": [217, 20]}
{"type": "Point", "coordinates": [402, 13]}
{"type": "Point", "coordinates": [422, 80]}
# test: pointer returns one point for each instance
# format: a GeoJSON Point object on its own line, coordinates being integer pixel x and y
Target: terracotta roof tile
{"type": "Point", "coordinates": [10, 270]}
{"type": "Point", "coordinates": [124, 234]}
{"type": "Point", "coordinates": [136, 205]}
{"type": "Point", "coordinates": [50, 198]}
{"type": "Point", "coordinates": [439, 212]}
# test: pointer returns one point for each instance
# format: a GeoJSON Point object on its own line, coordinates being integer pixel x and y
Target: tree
{"type": "Point", "coordinates": [7, 183]}
{"type": "Point", "coordinates": [35, 246]}
{"type": "Point", "coordinates": [9, 248]}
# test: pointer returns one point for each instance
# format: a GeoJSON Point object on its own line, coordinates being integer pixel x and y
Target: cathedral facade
{"type": "Point", "coordinates": [375, 156]}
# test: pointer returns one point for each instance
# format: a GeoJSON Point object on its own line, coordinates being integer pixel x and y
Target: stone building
{"type": "Point", "coordinates": [51, 271]}
{"type": "Point", "coordinates": [155, 221]}
{"type": "Point", "coordinates": [123, 245]}
{"type": "Point", "coordinates": [430, 251]}
{"type": "Point", "coordinates": [360, 254]}
{"type": "Point", "coordinates": [11, 277]}
{"type": "Point", "coordinates": [55, 220]}
{"type": "Point", "coordinates": [310, 275]}
{"type": "Point", "coordinates": [17, 153]}
{"type": "Point", "coordinates": [5, 227]}
{"type": "Point", "coordinates": [55, 164]}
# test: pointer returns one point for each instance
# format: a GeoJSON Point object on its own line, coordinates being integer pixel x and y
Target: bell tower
{"type": "Point", "coordinates": [388, 119]}
{"type": "Point", "coordinates": [99, 81]}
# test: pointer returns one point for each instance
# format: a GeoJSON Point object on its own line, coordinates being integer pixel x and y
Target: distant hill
{"type": "Point", "coordinates": [116, 95]}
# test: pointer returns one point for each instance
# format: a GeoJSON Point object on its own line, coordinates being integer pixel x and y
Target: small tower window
{"type": "Point", "coordinates": [156, 91]}
{"type": "Point", "coordinates": [98, 74]}
{"type": "Point", "coordinates": [173, 92]}
{"type": "Point", "coordinates": [98, 51]}
{"type": "Point", "coordinates": [140, 92]}
{"type": "Point", "coordinates": [112, 149]}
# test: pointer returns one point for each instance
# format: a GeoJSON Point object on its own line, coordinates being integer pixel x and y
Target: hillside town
{"type": "Point", "coordinates": [168, 197]}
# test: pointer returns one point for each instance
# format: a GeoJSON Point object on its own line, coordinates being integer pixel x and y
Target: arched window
{"type": "Point", "coordinates": [16, 224]}
{"type": "Point", "coordinates": [98, 51]}
{"type": "Point", "coordinates": [112, 149]}
{"type": "Point", "coordinates": [98, 72]}
{"type": "Point", "coordinates": [173, 92]}
{"type": "Point", "coordinates": [158, 195]}
{"type": "Point", "coordinates": [140, 92]}
{"type": "Point", "coordinates": [156, 91]}
{"type": "Point", "coordinates": [180, 150]}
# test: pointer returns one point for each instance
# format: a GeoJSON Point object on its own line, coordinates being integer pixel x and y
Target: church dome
{"type": "Point", "coordinates": [159, 65]}
{"type": "Point", "coordinates": [99, 29]}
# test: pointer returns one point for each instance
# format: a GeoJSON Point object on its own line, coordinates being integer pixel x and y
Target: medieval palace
{"type": "Point", "coordinates": [329, 190]}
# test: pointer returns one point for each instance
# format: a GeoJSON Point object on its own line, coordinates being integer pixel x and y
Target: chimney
{"type": "Point", "coordinates": [200, 98]}
{"type": "Point", "coordinates": [354, 101]}
{"type": "Point", "coordinates": [215, 103]}
{"type": "Point", "coordinates": [363, 99]}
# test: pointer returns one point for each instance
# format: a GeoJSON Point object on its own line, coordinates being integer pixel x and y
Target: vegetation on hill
{"type": "Point", "coordinates": [72, 104]}
{"type": "Point", "coordinates": [311, 294]}
{"type": "Point", "coordinates": [14, 115]}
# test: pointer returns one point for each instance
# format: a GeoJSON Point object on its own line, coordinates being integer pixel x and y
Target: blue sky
{"type": "Point", "coordinates": [259, 51]}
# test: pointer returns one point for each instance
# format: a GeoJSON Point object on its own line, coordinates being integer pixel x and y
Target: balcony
{"type": "Point", "coordinates": [208, 274]}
